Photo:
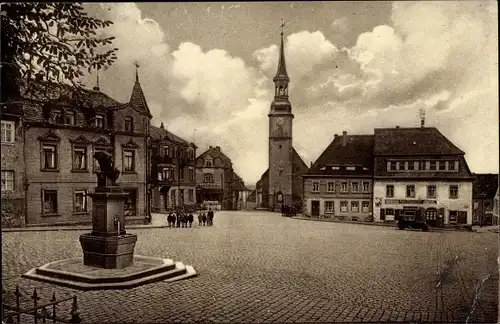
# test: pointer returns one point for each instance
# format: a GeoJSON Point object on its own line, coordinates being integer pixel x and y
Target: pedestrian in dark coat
{"type": "Point", "coordinates": [204, 219]}
{"type": "Point", "coordinates": [170, 219]}
{"type": "Point", "coordinates": [178, 219]}
{"type": "Point", "coordinates": [210, 217]}
{"type": "Point", "coordinates": [190, 219]}
{"type": "Point", "coordinates": [200, 219]}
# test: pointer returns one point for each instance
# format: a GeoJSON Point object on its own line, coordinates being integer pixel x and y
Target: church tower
{"type": "Point", "coordinates": [280, 138]}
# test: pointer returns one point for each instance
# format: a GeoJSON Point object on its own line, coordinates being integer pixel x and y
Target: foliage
{"type": "Point", "coordinates": [46, 44]}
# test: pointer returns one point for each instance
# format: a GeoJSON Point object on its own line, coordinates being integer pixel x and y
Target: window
{"type": "Point", "coordinates": [393, 165]}
{"type": "Point", "coordinates": [57, 116]}
{"type": "Point", "coordinates": [331, 186]}
{"type": "Point", "coordinates": [208, 163]}
{"type": "Point", "coordinates": [49, 156]}
{"type": "Point", "coordinates": [432, 166]}
{"type": "Point", "coordinates": [453, 216]}
{"type": "Point", "coordinates": [7, 180]}
{"type": "Point", "coordinates": [389, 191]}
{"type": "Point", "coordinates": [191, 174]}
{"type": "Point", "coordinates": [452, 165]}
{"type": "Point", "coordinates": [315, 186]}
{"type": "Point", "coordinates": [401, 165]}
{"type": "Point", "coordinates": [343, 186]}
{"type": "Point", "coordinates": [280, 172]}
{"type": "Point", "coordinates": [173, 196]}
{"type": "Point", "coordinates": [80, 201]}
{"type": "Point", "coordinates": [453, 191]}
{"type": "Point", "coordinates": [70, 118]}
{"type": "Point", "coordinates": [8, 128]}
{"type": "Point", "coordinates": [128, 160]}
{"type": "Point", "coordinates": [431, 214]}
{"type": "Point", "coordinates": [191, 195]}
{"type": "Point", "coordinates": [329, 206]}
{"type": "Point", "coordinates": [335, 168]}
{"type": "Point", "coordinates": [99, 121]}
{"type": "Point", "coordinates": [343, 206]}
{"type": "Point", "coordinates": [389, 212]}
{"type": "Point", "coordinates": [410, 191]}
{"type": "Point", "coordinates": [355, 186]}
{"type": "Point", "coordinates": [129, 124]}
{"type": "Point", "coordinates": [131, 202]}
{"type": "Point", "coordinates": [442, 165]}
{"type": "Point", "coordinates": [366, 186]}
{"type": "Point", "coordinates": [208, 177]}
{"type": "Point", "coordinates": [96, 164]}
{"type": "Point", "coordinates": [355, 206]}
{"type": "Point", "coordinates": [411, 165]}
{"type": "Point", "coordinates": [80, 158]}
{"type": "Point", "coordinates": [49, 198]}
{"type": "Point", "coordinates": [182, 174]}
{"type": "Point", "coordinates": [421, 165]}
{"type": "Point", "coordinates": [366, 206]}
{"type": "Point", "coordinates": [166, 174]}
{"type": "Point", "coordinates": [350, 168]}
{"type": "Point", "coordinates": [431, 191]}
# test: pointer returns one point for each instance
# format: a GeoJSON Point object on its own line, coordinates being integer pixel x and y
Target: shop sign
{"type": "Point", "coordinates": [410, 201]}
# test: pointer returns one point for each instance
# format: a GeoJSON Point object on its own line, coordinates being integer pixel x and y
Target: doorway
{"type": "Point", "coordinates": [315, 208]}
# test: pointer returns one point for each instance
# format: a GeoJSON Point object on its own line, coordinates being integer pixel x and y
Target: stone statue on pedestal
{"type": "Point", "coordinates": [108, 175]}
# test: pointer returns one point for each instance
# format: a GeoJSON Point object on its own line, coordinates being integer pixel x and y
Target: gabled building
{"type": "Point", "coordinates": [214, 179]}
{"type": "Point", "coordinates": [58, 141]}
{"type": "Point", "coordinates": [281, 183]}
{"type": "Point", "coordinates": [418, 170]}
{"type": "Point", "coordinates": [173, 176]}
{"type": "Point", "coordinates": [339, 184]}
{"type": "Point", "coordinates": [484, 189]}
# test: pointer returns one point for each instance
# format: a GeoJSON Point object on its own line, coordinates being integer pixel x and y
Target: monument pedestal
{"type": "Point", "coordinates": [108, 245]}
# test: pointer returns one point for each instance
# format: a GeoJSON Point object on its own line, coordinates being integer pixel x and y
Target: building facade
{"type": "Point", "coordinates": [418, 170]}
{"type": "Point", "coordinates": [496, 208]}
{"type": "Point", "coordinates": [281, 184]}
{"type": "Point", "coordinates": [173, 174]}
{"type": "Point", "coordinates": [13, 202]}
{"type": "Point", "coordinates": [58, 144]}
{"type": "Point", "coordinates": [339, 184]}
{"type": "Point", "coordinates": [483, 194]}
{"type": "Point", "coordinates": [214, 179]}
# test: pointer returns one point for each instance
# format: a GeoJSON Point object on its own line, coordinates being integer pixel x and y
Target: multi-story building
{"type": "Point", "coordinates": [339, 183]}
{"type": "Point", "coordinates": [496, 208]}
{"type": "Point", "coordinates": [214, 179]}
{"type": "Point", "coordinates": [58, 144]}
{"type": "Point", "coordinates": [483, 194]}
{"type": "Point", "coordinates": [13, 202]}
{"type": "Point", "coordinates": [418, 170]}
{"type": "Point", "coordinates": [173, 176]}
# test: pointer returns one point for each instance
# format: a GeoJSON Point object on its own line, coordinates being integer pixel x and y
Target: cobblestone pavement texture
{"type": "Point", "coordinates": [261, 267]}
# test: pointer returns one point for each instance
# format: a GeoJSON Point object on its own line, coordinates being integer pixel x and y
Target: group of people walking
{"type": "Point", "coordinates": [182, 219]}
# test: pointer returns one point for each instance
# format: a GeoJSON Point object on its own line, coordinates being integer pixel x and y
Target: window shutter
{"type": "Point", "coordinates": [382, 214]}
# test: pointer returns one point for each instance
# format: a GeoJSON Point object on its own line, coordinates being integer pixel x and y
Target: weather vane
{"type": "Point", "coordinates": [282, 25]}
{"type": "Point", "coordinates": [136, 70]}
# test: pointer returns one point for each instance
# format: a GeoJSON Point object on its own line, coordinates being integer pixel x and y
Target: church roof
{"type": "Point", "coordinates": [281, 72]}
{"type": "Point", "coordinates": [138, 100]}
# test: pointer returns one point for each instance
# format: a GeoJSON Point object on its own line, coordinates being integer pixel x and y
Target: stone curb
{"type": "Point", "coordinates": [72, 228]}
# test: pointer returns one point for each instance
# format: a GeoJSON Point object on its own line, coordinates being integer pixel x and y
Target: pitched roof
{"type": "Point", "coordinates": [137, 98]}
{"type": "Point", "coordinates": [215, 152]}
{"type": "Point", "coordinates": [412, 141]}
{"type": "Point", "coordinates": [486, 184]}
{"type": "Point", "coordinates": [159, 133]}
{"type": "Point", "coordinates": [298, 162]}
{"type": "Point", "coordinates": [358, 152]}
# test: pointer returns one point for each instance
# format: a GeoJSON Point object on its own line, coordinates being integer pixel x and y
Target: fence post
{"type": "Point", "coordinates": [53, 307]}
{"type": "Point", "coordinates": [35, 304]}
{"type": "Point", "coordinates": [18, 303]}
{"type": "Point", "coordinates": [75, 316]}
{"type": "Point", "coordinates": [45, 314]}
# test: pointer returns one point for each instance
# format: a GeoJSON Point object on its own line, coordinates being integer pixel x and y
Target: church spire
{"type": "Point", "coordinates": [137, 99]}
{"type": "Point", "coordinates": [281, 74]}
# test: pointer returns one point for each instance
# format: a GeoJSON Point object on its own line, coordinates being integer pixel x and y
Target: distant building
{"type": "Point", "coordinates": [483, 194]}
{"type": "Point", "coordinates": [214, 179]}
{"type": "Point", "coordinates": [339, 184]}
{"type": "Point", "coordinates": [57, 179]}
{"type": "Point", "coordinates": [496, 208]}
{"type": "Point", "coordinates": [240, 192]}
{"type": "Point", "coordinates": [173, 171]}
{"type": "Point", "coordinates": [418, 170]}
{"type": "Point", "coordinates": [281, 184]}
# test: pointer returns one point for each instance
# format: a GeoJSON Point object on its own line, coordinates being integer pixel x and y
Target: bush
{"type": "Point", "coordinates": [12, 212]}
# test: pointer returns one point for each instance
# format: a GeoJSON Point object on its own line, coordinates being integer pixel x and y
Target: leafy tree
{"type": "Point", "coordinates": [47, 46]}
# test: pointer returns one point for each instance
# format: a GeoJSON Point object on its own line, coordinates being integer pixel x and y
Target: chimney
{"type": "Point", "coordinates": [422, 122]}
{"type": "Point", "coordinates": [217, 149]}
{"type": "Point", "coordinates": [397, 126]}
{"type": "Point", "coordinates": [162, 126]}
{"type": "Point", "coordinates": [344, 138]}
{"type": "Point", "coordinates": [210, 148]}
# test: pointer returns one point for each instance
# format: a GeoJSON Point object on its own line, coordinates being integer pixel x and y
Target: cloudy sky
{"type": "Point", "coordinates": [207, 68]}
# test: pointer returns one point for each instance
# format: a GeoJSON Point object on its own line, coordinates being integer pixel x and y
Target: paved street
{"type": "Point", "coordinates": [261, 267]}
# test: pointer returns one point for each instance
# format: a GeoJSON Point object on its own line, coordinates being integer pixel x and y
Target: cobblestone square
{"type": "Point", "coordinates": [261, 267]}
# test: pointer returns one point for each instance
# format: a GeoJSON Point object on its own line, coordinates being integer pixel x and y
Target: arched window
{"type": "Point", "coordinates": [129, 124]}
{"type": "Point", "coordinates": [208, 177]}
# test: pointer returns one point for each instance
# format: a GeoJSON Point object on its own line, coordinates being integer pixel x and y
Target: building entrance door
{"type": "Point", "coordinates": [315, 208]}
